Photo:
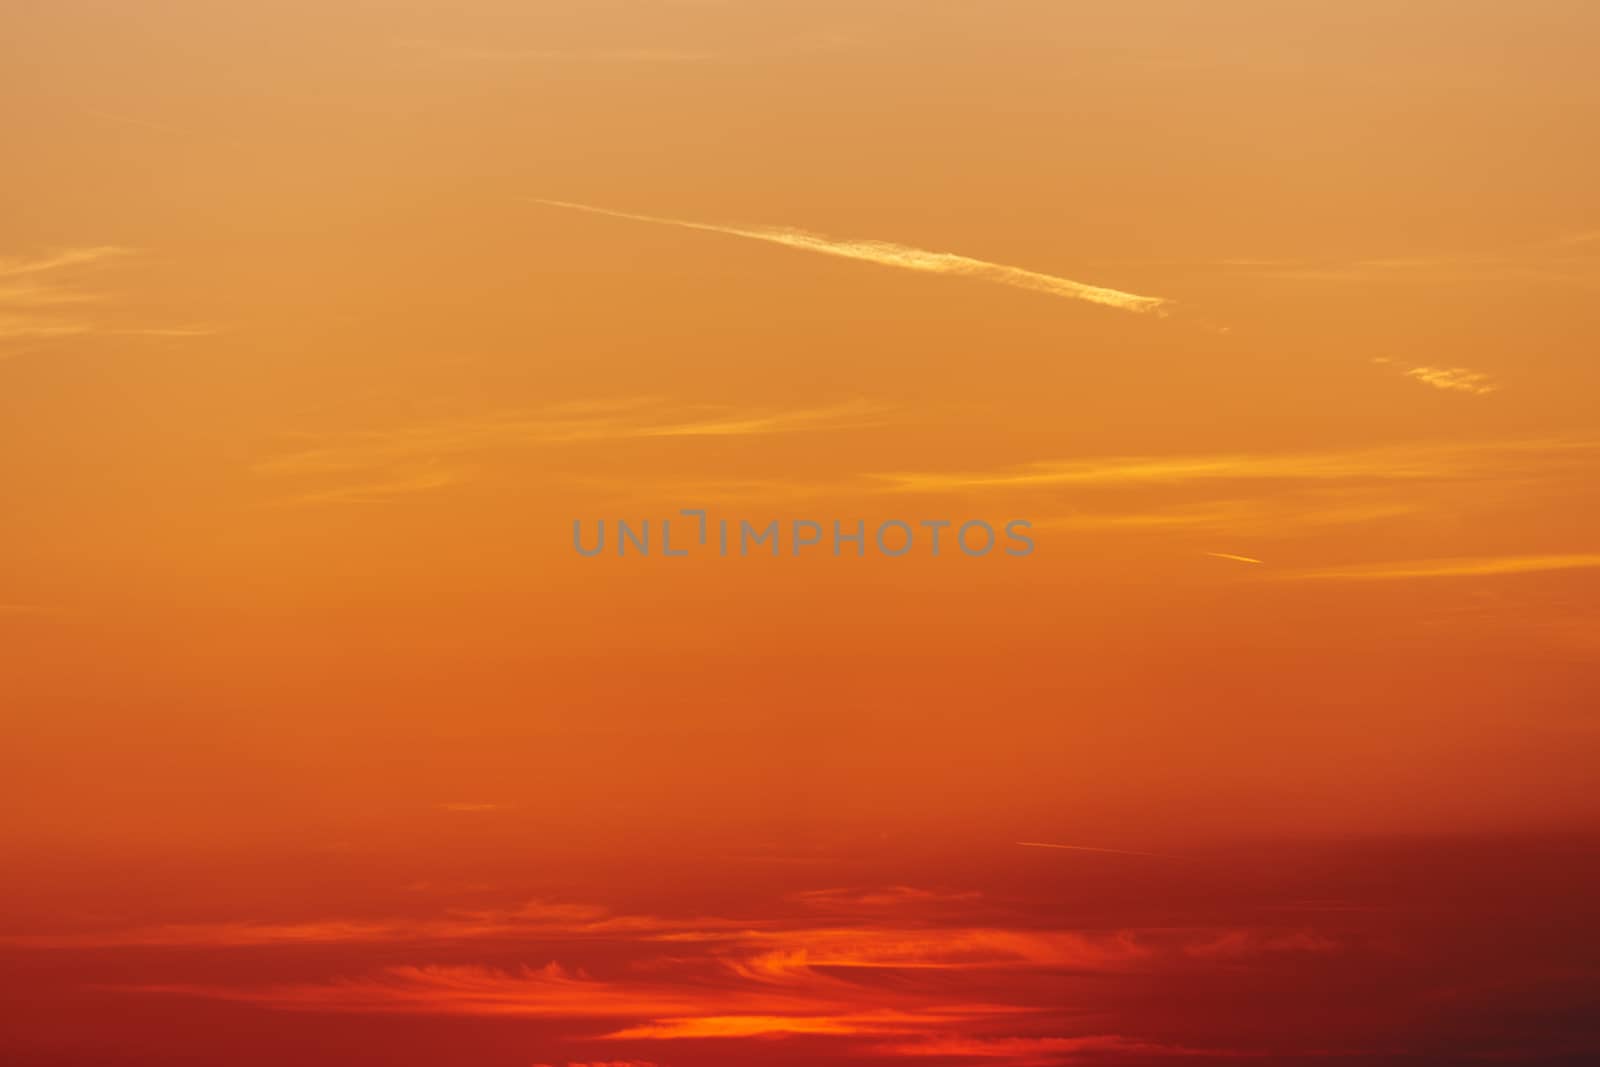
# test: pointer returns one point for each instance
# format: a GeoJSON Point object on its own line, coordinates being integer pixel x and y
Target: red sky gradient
{"type": "Point", "coordinates": [322, 323]}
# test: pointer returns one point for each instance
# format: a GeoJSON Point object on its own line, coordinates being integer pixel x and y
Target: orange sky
{"type": "Point", "coordinates": [321, 324]}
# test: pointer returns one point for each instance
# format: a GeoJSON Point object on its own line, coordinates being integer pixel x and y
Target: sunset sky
{"type": "Point", "coordinates": [322, 323]}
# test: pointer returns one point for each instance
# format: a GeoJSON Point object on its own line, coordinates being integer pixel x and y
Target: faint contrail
{"type": "Point", "coordinates": [1455, 568]}
{"type": "Point", "coordinates": [905, 257]}
{"type": "Point", "coordinates": [1236, 559]}
{"type": "Point", "coordinates": [1087, 848]}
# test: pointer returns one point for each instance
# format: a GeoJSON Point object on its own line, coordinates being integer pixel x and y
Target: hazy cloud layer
{"type": "Point", "coordinates": [900, 971]}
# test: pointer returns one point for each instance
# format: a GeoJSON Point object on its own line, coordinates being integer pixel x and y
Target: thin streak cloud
{"type": "Point", "coordinates": [1378, 464]}
{"type": "Point", "coordinates": [904, 257]}
{"type": "Point", "coordinates": [1472, 567]}
{"type": "Point", "coordinates": [69, 257]}
{"type": "Point", "coordinates": [35, 308]}
{"type": "Point", "coordinates": [561, 424]}
{"type": "Point", "coordinates": [425, 478]}
{"type": "Point", "coordinates": [377, 465]}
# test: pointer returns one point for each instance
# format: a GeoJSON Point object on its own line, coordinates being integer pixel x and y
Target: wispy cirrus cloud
{"type": "Point", "coordinates": [891, 898]}
{"type": "Point", "coordinates": [1251, 494]}
{"type": "Point", "coordinates": [840, 1024]}
{"type": "Point", "coordinates": [530, 919]}
{"type": "Point", "coordinates": [895, 972]}
{"type": "Point", "coordinates": [892, 929]}
{"type": "Point", "coordinates": [1309, 507]}
{"type": "Point", "coordinates": [398, 481]}
{"type": "Point", "coordinates": [1468, 567]}
{"type": "Point", "coordinates": [904, 257]}
{"type": "Point", "coordinates": [374, 465]}
{"type": "Point", "coordinates": [1216, 494]}
{"type": "Point", "coordinates": [43, 298]}
{"type": "Point", "coordinates": [639, 1007]}
{"type": "Point", "coordinates": [1449, 379]}
{"type": "Point", "coordinates": [1395, 463]}
{"type": "Point", "coordinates": [1454, 379]}
{"type": "Point", "coordinates": [18, 267]}
{"type": "Point", "coordinates": [31, 308]}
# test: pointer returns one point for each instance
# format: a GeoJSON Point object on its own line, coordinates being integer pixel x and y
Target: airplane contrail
{"type": "Point", "coordinates": [1088, 848]}
{"type": "Point", "coordinates": [903, 256]}
{"type": "Point", "coordinates": [1236, 559]}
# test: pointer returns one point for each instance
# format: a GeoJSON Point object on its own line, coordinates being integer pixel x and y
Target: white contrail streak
{"type": "Point", "coordinates": [904, 257]}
